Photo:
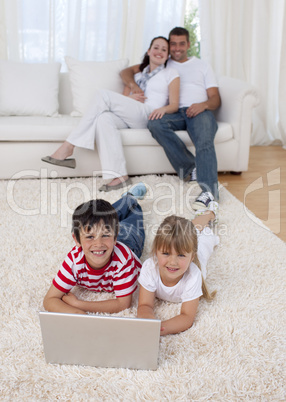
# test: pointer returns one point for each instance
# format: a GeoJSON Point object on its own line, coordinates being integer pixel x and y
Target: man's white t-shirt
{"type": "Point", "coordinates": [196, 76]}
{"type": "Point", "coordinates": [157, 90]}
{"type": "Point", "coordinates": [189, 286]}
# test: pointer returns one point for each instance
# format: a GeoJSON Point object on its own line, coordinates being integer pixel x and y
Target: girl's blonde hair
{"type": "Point", "coordinates": [179, 233]}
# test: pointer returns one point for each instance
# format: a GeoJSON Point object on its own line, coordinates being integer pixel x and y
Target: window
{"type": "Point", "coordinates": [48, 30]}
{"type": "Point", "coordinates": [192, 24]}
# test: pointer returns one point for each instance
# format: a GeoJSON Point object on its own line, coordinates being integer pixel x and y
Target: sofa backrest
{"type": "Point", "coordinates": [86, 78]}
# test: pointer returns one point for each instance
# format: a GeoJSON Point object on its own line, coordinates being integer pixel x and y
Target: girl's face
{"type": "Point", "coordinates": [158, 52]}
{"type": "Point", "coordinates": [172, 265]}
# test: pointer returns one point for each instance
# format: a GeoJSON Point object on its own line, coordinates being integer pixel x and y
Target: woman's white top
{"type": "Point", "coordinates": [189, 286]}
{"type": "Point", "coordinates": [157, 90]}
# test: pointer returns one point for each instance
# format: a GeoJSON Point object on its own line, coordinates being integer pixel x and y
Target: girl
{"type": "Point", "coordinates": [112, 111]}
{"type": "Point", "coordinates": [176, 271]}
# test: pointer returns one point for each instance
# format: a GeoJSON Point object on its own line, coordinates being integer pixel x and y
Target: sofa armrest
{"type": "Point", "coordinates": [238, 98]}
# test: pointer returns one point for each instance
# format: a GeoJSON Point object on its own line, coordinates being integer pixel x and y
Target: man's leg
{"type": "Point", "coordinates": [182, 160]}
{"type": "Point", "coordinates": [202, 130]}
{"type": "Point", "coordinates": [131, 229]}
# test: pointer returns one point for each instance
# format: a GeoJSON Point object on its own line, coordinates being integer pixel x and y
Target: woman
{"type": "Point", "coordinates": [111, 112]}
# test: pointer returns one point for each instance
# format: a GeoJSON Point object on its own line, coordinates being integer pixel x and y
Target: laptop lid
{"type": "Point", "coordinates": [103, 341]}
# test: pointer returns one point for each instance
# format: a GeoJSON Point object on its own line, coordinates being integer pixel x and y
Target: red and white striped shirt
{"type": "Point", "coordinates": [119, 275]}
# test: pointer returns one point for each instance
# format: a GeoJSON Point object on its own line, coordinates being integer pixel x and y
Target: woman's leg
{"type": "Point", "coordinates": [119, 112]}
{"type": "Point", "coordinates": [64, 151]}
{"type": "Point", "coordinates": [82, 135]}
{"type": "Point", "coordinates": [133, 113]}
{"type": "Point", "coordinates": [97, 125]}
{"type": "Point", "coordinates": [109, 146]}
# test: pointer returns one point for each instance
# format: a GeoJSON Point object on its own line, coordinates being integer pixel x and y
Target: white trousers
{"type": "Point", "coordinates": [101, 123]}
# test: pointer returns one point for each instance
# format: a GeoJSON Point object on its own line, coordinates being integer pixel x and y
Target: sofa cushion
{"type": "Point", "coordinates": [86, 77]}
{"type": "Point", "coordinates": [57, 129]}
{"type": "Point", "coordinates": [28, 89]}
{"type": "Point", "coordinates": [36, 128]}
{"type": "Point", "coordinates": [139, 137]}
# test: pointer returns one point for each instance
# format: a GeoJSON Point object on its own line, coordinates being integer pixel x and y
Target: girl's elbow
{"type": "Point", "coordinates": [187, 326]}
{"type": "Point", "coordinates": [189, 322]}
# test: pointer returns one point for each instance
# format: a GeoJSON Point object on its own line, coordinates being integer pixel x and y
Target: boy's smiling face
{"type": "Point", "coordinates": [97, 245]}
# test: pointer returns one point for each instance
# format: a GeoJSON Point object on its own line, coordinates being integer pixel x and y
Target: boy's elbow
{"type": "Point", "coordinates": [127, 305]}
{"type": "Point", "coordinates": [123, 303]}
{"type": "Point", "coordinates": [50, 303]}
{"type": "Point", "coordinates": [46, 303]}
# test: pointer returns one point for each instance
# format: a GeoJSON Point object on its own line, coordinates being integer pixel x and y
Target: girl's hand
{"type": "Point", "coordinates": [70, 299]}
{"type": "Point", "coordinates": [157, 113]}
{"type": "Point", "coordinates": [140, 97]}
{"type": "Point", "coordinates": [183, 321]}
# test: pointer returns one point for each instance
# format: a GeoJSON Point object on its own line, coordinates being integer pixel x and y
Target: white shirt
{"type": "Point", "coordinates": [196, 76]}
{"type": "Point", "coordinates": [189, 286]}
{"type": "Point", "coordinates": [157, 90]}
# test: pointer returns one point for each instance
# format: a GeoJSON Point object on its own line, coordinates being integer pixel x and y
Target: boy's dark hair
{"type": "Point", "coordinates": [180, 31]}
{"type": "Point", "coordinates": [92, 213]}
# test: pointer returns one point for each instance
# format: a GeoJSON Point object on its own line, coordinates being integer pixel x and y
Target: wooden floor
{"type": "Point", "coordinates": [263, 187]}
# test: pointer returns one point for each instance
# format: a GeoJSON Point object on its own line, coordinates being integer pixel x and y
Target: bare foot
{"type": "Point", "coordinates": [117, 180]}
{"type": "Point", "coordinates": [64, 151]}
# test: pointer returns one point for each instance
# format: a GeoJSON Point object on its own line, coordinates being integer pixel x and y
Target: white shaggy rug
{"type": "Point", "coordinates": [236, 348]}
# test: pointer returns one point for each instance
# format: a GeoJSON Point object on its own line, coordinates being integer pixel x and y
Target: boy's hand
{"type": "Point", "coordinates": [70, 299]}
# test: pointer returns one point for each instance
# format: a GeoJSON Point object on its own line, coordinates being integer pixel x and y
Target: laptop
{"type": "Point", "coordinates": [100, 341]}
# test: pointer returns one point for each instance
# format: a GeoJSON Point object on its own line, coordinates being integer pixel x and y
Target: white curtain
{"type": "Point", "coordinates": [48, 30]}
{"type": "Point", "coordinates": [246, 39]}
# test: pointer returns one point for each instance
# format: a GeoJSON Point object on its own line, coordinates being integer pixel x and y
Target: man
{"type": "Point", "coordinates": [199, 96]}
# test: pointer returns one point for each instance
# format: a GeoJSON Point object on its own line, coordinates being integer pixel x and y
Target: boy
{"type": "Point", "coordinates": [109, 242]}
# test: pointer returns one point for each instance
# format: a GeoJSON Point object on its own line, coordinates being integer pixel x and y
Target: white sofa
{"type": "Point", "coordinates": [25, 139]}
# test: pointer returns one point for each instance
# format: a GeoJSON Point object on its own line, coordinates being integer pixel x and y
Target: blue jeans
{"type": "Point", "coordinates": [201, 129]}
{"type": "Point", "coordinates": [131, 229]}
